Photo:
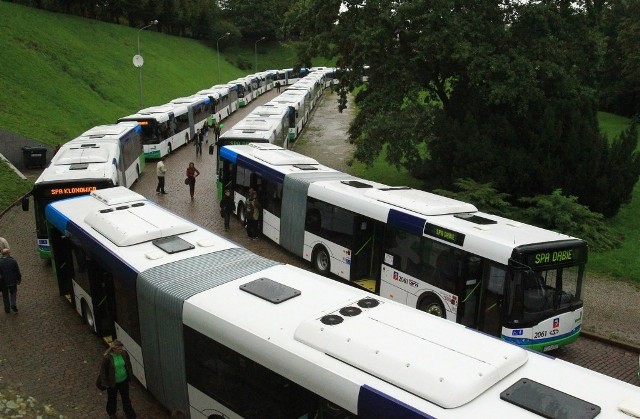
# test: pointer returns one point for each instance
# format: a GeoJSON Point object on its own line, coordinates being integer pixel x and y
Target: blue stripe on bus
{"type": "Point", "coordinates": [527, 341]}
{"type": "Point", "coordinates": [373, 403]}
{"type": "Point", "coordinates": [230, 156]}
{"type": "Point", "coordinates": [264, 171]}
{"type": "Point", "coordinates": [56, 218]}
{"type": "Point", "coordinates": [138, 129]}
{"type": "Point", "coordinates": [126, 273]}
{"type": "Point", "coordinates": [408, 222]}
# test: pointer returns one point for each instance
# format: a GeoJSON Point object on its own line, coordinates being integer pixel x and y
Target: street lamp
{"type": "Point", "coordinates": [218, 49]}
{"type": "Point", "coordinates": [138, 61]}
{"type": "Point", "coordinates": [256, 52]}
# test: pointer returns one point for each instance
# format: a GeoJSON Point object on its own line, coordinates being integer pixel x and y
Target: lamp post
{"type": "Point", "coordinates": [218, 49]}
{"type": "Point", "coordinates": [138, 61]}
{"type": "Point", "coordinates": [256, 52]}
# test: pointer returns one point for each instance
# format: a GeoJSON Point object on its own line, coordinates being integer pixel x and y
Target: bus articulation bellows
{"type": "Point", "coordinates": [433, 253]}
{"type": "Point", "coordinates": [214, 329]}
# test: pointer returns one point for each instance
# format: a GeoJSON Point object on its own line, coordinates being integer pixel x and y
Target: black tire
{"type": "Point", "coordinates": [170, 149]}
{"type": "Point", "coordinates": [242, 214]}
{"type": "Point", "coordinates": [321, 261]}
{"type": "Point", "coordinates": [432, 305]}
{"type": "Point", "coordinates": [87, 316]}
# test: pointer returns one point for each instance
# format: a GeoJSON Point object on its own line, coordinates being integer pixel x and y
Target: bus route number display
{"type": "Point", "coordinates": [444, 234]}
{"type": "Point", "coordinates": [72, 190]}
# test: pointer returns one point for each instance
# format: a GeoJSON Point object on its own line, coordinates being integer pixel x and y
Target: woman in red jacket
{"type": "Point", "coordinates": [192, 173]}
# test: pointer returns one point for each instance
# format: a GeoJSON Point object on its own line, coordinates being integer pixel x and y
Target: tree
{"type": "Point", "coordinates": [255, 18]}
{"type": "Point", "coordinates": [496, 91]}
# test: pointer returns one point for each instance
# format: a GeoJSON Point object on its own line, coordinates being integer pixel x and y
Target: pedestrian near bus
{"type": "Point", "coordinates": [4, 244]}
{"type": "Point", "coordinates": [115, 374]}
{"type": "Point", "coordinates": [10, 277]}
{"type": "Point", "coordinates": [161, 170]}
{"type": "Point", "coordinates": [253, 210]}
{"type": "Point", "coordinates": [227, 207]}
{"type": "Point", "coordinates": [192, 174]}
{"type": "Point", "coordinates": [216, 130]}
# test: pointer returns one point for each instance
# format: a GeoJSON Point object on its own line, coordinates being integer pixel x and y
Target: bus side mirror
{"type": "Point", "coordinates": [25, 203]}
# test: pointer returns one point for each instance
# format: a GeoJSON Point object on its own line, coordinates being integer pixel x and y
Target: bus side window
{"type": "Point", "coordinates": [313, 221]}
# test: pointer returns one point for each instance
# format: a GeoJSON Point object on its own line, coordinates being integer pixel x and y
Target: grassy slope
{"type": "Point", "coordinates": [622, 263]}
{"type": "Point", "coordinates": [61, 75]}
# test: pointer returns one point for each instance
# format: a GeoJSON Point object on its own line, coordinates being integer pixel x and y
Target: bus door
{"type": "Point", "coordinates": [366, 251]}
{"type": "Point", "coordinates": [470, 291]}
{"type": "Point", "coordinates": [102, 296]}
{"type": "Point", "coordinates": [62, 263]}
{"type": "Point", "coordinates": [490, 304]}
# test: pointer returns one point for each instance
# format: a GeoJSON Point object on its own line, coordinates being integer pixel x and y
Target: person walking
{"type": "Point", "coordinates": [216, 131]}
{"type": "Point", "coordinates": [10, 277]}
{"type": "Point", "coordinates": [192, 174]}
{"type": "Point", "coordinates": [161, 170]}
{"type": "Point", "coordinates": [115, 373]}
{"type": "Point", "coordinates": [253, 210]}
{"type": "Point", "coordinates": [199, 138]}
{"type": "Point", "coordinates": [278, 86]}
{"type": "Point", "coordinates": [4, 244]}
{"type": "Point", "coordinates": [227, 207]}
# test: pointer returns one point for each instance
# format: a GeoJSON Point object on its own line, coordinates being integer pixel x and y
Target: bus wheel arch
{"type": "Point", "coordinates": [170, 150]}
{"type": "Point", "coordinates": [87, 315]}
{"type": "Point", "coordinates": [430, 303]}
{"type": "Point", "coordinates": [321, 260]}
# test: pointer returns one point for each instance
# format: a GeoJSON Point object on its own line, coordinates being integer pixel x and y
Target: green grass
{"type": "Point", "coordinates": [12, 187]}
{"type": "Point", "coordinates": [382, 172]}
{"type": "Point", "coordinates": [622, 263]}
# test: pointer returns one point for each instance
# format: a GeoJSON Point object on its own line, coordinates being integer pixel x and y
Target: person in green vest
{"type": "Point", "coordinates": [115, 373]}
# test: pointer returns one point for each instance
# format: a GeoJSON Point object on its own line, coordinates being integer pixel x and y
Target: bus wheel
{"type": "Point", "coordinates": [321, 261]}
{"type": "Point", "coordinates": [242, 215]}
{"type": "Point", "coordinates": [87, 316]}
{"type": "Point", "coordinates": [170, 149]}
{"type": "Point", "coordinates": [432, 305]}
{"type": "Point", "coordinates": [138, 170]}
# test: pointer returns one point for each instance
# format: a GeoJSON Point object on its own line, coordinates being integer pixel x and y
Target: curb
{"type": "Point", "coordinates": [613, 342]}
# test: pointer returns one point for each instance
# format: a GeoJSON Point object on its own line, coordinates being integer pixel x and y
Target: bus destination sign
{"type": "Point", "coordinates": [445, 234]}
{"type": "Point", "coordinates": [72, 190]}
{"type": "Point", "coordinates": [551, 257]}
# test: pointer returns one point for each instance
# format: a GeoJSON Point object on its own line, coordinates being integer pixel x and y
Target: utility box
{"type": "Point", "coordinates": [34, 156]}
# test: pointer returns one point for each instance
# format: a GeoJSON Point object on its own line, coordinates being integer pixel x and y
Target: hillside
{"type": "Point", "coordinates": [61, 75]}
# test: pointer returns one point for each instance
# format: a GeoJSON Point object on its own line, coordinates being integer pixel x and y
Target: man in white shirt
{"type": "Point", "coordinates": [160, 172]}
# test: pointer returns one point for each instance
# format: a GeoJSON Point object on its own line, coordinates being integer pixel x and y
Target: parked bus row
{"type": "Point", "coordinates": [439, 255]}
{"type": "Point", "coordinates": [219, 332]}
{"type": "Point", "coordinates": [110, 155]}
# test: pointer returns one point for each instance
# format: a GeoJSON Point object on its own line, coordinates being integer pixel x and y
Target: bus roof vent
{"type": "Point", "coordinates": [135, 225]}
{"type": "Point", "coordinates": [421, 202]}
{"type": "Point", "coordinates": [270, 290]}
{"type": "Point", "coordinates": [356, 184]}
{"type": "Point", "coordinates": [369, 341]}
{"type": "Point", "coordinates": [284, 157]}
{"type": "Point", "coordinates": [476, 219]}
{"type": "Point", "coordinates": [78, 166]}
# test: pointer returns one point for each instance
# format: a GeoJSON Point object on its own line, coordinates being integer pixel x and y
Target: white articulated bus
{"type": "Point", "coordinates": [218, 331]}
{"type": "Point", "coordinates": [200, 108]}
{"type": "Point", "coordinates": [442, 256]}
{"type": "Point", "coordinates": [222, 106]}
{"type": "Point", "coordinates": [103, 157]}
{"type": "Point", "coordinates": [165, 128]}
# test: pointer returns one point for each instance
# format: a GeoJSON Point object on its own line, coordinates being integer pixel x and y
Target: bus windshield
{"type": "Point", "coordinates": [538, 292]}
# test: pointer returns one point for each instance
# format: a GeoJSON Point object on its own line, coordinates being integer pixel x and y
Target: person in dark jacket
{"type": "Point", "coordinates": [115, 373]}
{"type": "Point", "coordinates": [10, 277]}
{"type": "Point", "coordinates": [227, 207]}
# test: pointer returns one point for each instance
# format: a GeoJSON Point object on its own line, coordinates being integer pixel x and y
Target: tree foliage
{"type": "Point", "coordinates": [497, 91]}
